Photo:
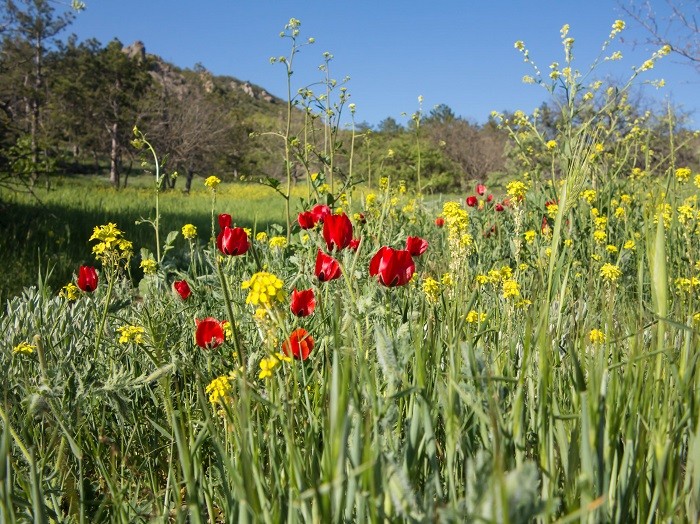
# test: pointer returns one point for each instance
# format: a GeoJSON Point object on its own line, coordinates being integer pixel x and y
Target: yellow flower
{"type": "Point", "coordinates": [264, 289]}
{"type": "Point", "coordinates": [189, 231]}
{"type": "Point", "coordinates": [611, 249]}
{"type": "Point", "coordinates": [446, 279]}
{"type": "Point", "coordinates": [552, 210]}
{"type": "Point", "coordinates": [370, 199]}
{"type": "Point", "coordinates": [474, 316]}
{"type": "Point", "coordinates": [149, 266]}
{"type": "Point", "coordinates": [683, 174]}
{"type": "Point", "coordinates": [219, 388]}
{"type": "Point", "coordinates": [530, 236]}
{"type": "Point", "coordinates": [482, 279]}
{"type": "Point", "coordinates": [24, 348]}
{"type": "Point", "coordinates": [212, 182]}
{"type": "Point", "coordinates": [261, 237]}
{"type": "Point", "coordinates": [620, 212]}
{"type": "Point", "coordinates": [589, 195]}
{"type": "Point", "coordinates": [267, 365]}
{"type": "Point", "coordinates": [511, 289]}
{"type": "Point", "coordinates": [596, 336]}
{"type": "Point", "coordinates": [131, 334]}
{"type": "Point", "coordinates": [610, 272]}
{"type": "Point", "coordinates": [431, 288]}
{"type": "Point", "coordinates": [696, 181]}
{"type": "Point", "coordinates": [626, 199]}
{"type": "Point", "coordinates": [324, 188]}
{"type": "Point", "coordinates": [630, 245]}
{"type": "Point", "coordinates": [599, 236]}
{"type": "Point", "coordinates": [618, 26]}
{"type": "Point", "coordinates": [647, 65]}
{"type": "Point", "coordinates": [384, 181]}
{"type": "Point", "coordinates": [278, 242]}
{"type": "Point", "coordinates": [70, 292]}
{"type": "Point", "coordinates": [568, 242]}
{"type": "Point", "coordinates": [551, 144]}
{"type": "Point", "coordinates": [516, 189]}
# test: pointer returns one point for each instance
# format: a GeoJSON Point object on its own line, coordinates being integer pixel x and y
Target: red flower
{"type": "Point", "coordinates": [354, 244]}
{"type": "Point", "coordinates": [300, 344]}
{"type": "Point", "coordinates": [489, 198]}
{"type": "Point", "coordinates": [210, 333]}
{"type": "Point", "coordinates": [545, 226]}
{"type": "Point", "coordinates": [416, 246]}
{"type": "Point", "coordinates": [182, 288]}
{"type": "Point", "coordinates": [499, 207]}
{"type": "Point", "coordinates": [327, 267]}
{"type": "Point", "coordinates": [320, 212]}
{"type": "Point", "coordinates": [232, 241]}
{"type": "Point", "coordinates": [395, 267]}
{"type": "Point", "coordinates": [472, 201]}
{"type": "Point", "coordinates": [87, 279]}
{"type": "Point", "coordinates": [303, 302]}
{"type": "Point", "coordinates": [306, 220]}
{"type": "Point", "coordinates": [480, 189]}
{"type": "Point", "coordinates": [439, 222]}
{"type": "Point", "coordinates": [224, 220]}
{"type": "Point", "coordinates": [337, 231]}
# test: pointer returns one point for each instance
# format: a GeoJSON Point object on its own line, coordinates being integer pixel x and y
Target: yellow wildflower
{"type": "Point", "coordinates": [630, 245]}
{"type": "Point", "coordinates": [530, 236]}
{"type": "Point", "coordinates": [261, 237]}
{"type": "Point", "coordinates": [610, 272]}
{"type": "Point", "coordinates": [149, 266]}
{"type": "Point", "coordinates": [599, 236]}
{"type": "Point", "coordinates": [265, 289]}
{"type": "Point", "coordinates": [212, 182]}
{"type": "Point", "coordinates": [431, 288]}
{"type": "Point", "coordinates": [683, 174]}
{"type": "Point", "coordinates": [589, 195]}
{"type": "Point", "coordinates": [70, 292]}
{"type": "Point", "coordinates": [446, 279]}
{"type": "Point", "coordinates": [131, 334]}
{"type": "Point", "coordinates": [24, 348]}
{"type": "Point", "coordinates": [611, 249]}
{"type": "Point", "coordinates": [511, 289]}
{"type": "Point", "coordinates": [474, 316]}
{"type": "Point", "coordinates": [189, 231]}
{"type": "Point", "coordinates": [551, 144]}
{"type": "Point", "coordinates": [516, 189]}
{"type": "Point", "coordinates": [278, 242]}
{"type": "Point", "coordinates": [596, 336]}
{"type": "Point", "coordinates": [219, 388]}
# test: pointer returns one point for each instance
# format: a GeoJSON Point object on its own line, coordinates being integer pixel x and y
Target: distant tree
{"type": "Point", "coordinates": [389, 126]}
{"type": "Point", "coordinates": [440, 114]}
{"type": "Point", "coordinates": [30, 28]}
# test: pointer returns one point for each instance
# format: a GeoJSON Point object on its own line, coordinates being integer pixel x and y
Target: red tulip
{"type": "Point", "coordinates": [87, 279]}
{"type": "Point", "coordinates": [299, 344]}
{"type": "Point", "coordinates": [303, 302]}
{"type": "Point", "coordinates": [232, 241]}
{"type": "Point", "coordinates": [489, 198]}
{"type": "Point", "coordinates": [354, 244]}
{"type": "Point", "coordinates": [327, 267]}
{"type": "Point", "coordinates": [472, 201]}
{"type": "Point", "coordinates": [395, 267]}
{"type": "Point", "coordinates": [224, 220]}
{"type": "Point", "coordinates": [337, 231]}
{"type": "Point", "coordinates": [480, 189]}
{"type": "Point", "coordinates": [499, 207]}
{"type": "Point", "coordinates": [210, 333]}
{"type": "Point", "coordinates": [439, 222]}
{"type": "Point", "coordinates": [416, 246]}
{"type": "Point", "coordinates": [306, 220]}
{"type": "Point", "coordinates": [182, 288]}
{"type": "Point", "coordinates": [320, 212]}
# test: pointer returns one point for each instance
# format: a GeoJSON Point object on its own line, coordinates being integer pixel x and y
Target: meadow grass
{"type": "Point", "coordinates": [537, 362]}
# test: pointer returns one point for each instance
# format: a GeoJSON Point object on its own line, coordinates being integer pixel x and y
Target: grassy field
{"type": "Point", "coordinates": [48, 231]}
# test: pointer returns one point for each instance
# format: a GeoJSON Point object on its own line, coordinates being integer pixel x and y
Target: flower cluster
{"type": "Point", "coordinates": [129, 334]}
{"type": "Point", "coordinates": [265, 289]}
{"type": "Point", "coordinates": [112, 248]}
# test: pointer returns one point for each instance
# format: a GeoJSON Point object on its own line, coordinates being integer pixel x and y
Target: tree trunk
{"type": "Point", "coordinates": [114, 156]}
{"type": "Point", "coordinates": [188, 182]}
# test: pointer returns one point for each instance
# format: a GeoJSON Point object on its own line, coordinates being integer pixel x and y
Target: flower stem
{"type": "Point", "coordinates": [100, 329]}
{"type": "Point", "coordinates": [229, 310]}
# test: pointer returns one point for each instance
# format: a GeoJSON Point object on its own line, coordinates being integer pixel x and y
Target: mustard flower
{"type": "Point", "coordinates": [610, 272]}
{"type": "Point", "coordinates": [212, 182]}
{"type": "Point", "coordinates": [70, 292]}
{"type": "Point", "coordinates": [611, 249]}
{"type": "Point", "coordinates": [264, 289]}
{"type": "Point", "coordinates": [131, 334]}
{"type": "Point", "coordinates": [261, 237]}
{"type": "Point", "coordinates": [24, 348]}
{"type": "Point", "coordinates": [683, 174]}
{"type": "Point", "coordinates": [530, 236]}
{"type": "Point", "coordinates": [589, 195]}
{"type": "Point", "coordinates": [219, 388]}
{"type": "Point", "coordinates": [511, 289]}
{"type": "Point", "coordinates": [629, 245]}
{"type": "Point", "coordinates": [551, 144]}
{"type": "Point", "coordinates": [149, 266]}
{"type": "Point", "coordinates": [516, 189]}
{"type": "Point", "coordinates": [599, 236]}
{"type": "Point", "coordinates": [278, 242]}
{"type": "Point", "coordinates": [474, 316]}
{"type": "Point", "coordinates": [431, 289]}
{"type": "Point", "coordinates": [189, 231]}
{"type": "Point", "coordinates": [596, 336]}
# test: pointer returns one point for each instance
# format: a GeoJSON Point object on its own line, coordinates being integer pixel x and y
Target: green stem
{"type": "Point", "coordinates": [229, 310]}
{"type": "Point", "coordinates": [100, 329]}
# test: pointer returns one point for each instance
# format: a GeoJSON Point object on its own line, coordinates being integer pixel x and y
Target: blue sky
{"type": "Point", "coordinates": [459, 53]}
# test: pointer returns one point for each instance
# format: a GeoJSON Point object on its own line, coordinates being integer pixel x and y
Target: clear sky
{"type": "Point", "coordinates": [456, 52]}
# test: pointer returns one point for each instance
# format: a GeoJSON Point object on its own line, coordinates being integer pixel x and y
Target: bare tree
{"type": "Point", "coordinates": [680, 29]}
